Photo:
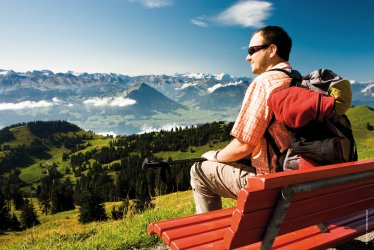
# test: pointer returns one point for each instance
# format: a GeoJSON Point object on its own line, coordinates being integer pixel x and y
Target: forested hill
{"type": "Point", "coordinates": [39, 158]}
{"type": "Point", "coordinates": [23, 144]}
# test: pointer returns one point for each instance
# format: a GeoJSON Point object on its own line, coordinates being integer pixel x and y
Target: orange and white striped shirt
{"type": "Point", "coordinates": [255, 115]}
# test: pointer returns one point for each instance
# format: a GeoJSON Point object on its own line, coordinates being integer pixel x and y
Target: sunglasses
{"type": "Point", "coordinates": [254, 49]}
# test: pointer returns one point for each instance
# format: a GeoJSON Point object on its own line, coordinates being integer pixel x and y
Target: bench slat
{"type": "Point", "coordinates": [276, 180]}
{"type": "Point", "coordinates": [319, 217]}
{"type": "Point", "coordinates": [247, 222]}
{"type": "Point", "coordinates": [215, 245]}
{"type": "Point", "coordinates": [159, 227]}
{"type": "Point", "coordinates": [350, 218]}
{"type": "Point", "coordinates": [332, 189]}
{"type": "Point", "coordinates": [197, 228]}
{"type": "Point", "coordinates": [336, 236]}
{"type": "Point", "coordinates": [328, 200]}
{"type": "Point", "coordinates": [237, 239]}
{"type": "Point", "coordinates": [249, 200]}
{"type": "Point", "coordinates": [208, 238]}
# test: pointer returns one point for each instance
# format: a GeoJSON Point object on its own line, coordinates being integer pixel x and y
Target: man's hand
{"type": "Point", "coordinates": [210, 155]}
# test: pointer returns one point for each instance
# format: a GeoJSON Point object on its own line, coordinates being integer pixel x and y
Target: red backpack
{"type": "Point", "coordinates": [313, 110]}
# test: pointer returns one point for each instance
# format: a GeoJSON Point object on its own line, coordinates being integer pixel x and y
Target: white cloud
{"type": "Point", "coordinates": [122, 102]}
{"type": "Point", "coordinates": [26, 105]}
{"type": "Point", "coordinates": [96, 101]}
{"type": "Point", "coordinates": [110, 101]}
{"type": "Point", "coordinates": [107, 133]}
{"type": "Point", "coordinates": [154, 3]}
{"type": "Point", "coordinates": [200, 21]}
{"type": "Point", "coordinates": [166, 127]}
{"type": "Point", "coordinates": [245, 13]}
{"type": "Point", "coordinates": [211, 89]}
{"type": "Point", "coordinates": [186, 85]}
{"type": "Point", "coordinates": [219, 85]}
{"type": "Point", "coordinates": [56, 100]}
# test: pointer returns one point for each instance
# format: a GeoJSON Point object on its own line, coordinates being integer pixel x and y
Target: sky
{"type": "Point", "coordinates": [137, 37]}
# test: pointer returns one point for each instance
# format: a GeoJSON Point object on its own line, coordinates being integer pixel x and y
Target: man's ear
{"type": "Point", "coordinates": [273, 50]}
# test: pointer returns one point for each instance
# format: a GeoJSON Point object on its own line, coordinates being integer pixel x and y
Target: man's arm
{"type": "Point", "coordinates": [234, 151]}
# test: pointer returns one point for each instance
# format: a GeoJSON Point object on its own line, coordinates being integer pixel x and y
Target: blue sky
{"type": "Point", "coordinates": [136, 37]}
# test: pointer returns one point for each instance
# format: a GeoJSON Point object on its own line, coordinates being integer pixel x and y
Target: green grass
{"type": "Point", "coordinates": [198, 151]}
{"type": "Point", "coordinates": [22, 135]}
{"type": "Point", "coordinates": [35, 171]}
{"type": "Point", "coordinates": [360, 116]}
{"type": "Point", "coordinates": [62, 231]}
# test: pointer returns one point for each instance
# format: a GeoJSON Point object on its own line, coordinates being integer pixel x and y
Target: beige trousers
{"type": "Point", "coordinates": [212, 180]}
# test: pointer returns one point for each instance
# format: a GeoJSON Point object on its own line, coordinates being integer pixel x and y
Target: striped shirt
{"type": "Point", "coordinates": [255, 115]}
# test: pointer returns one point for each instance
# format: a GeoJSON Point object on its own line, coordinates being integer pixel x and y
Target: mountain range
{"type": "Point", "coordinates": [121, 104]}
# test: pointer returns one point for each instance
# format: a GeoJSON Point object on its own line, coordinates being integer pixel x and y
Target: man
{"type": "Point", "coordinates": [220, 176]}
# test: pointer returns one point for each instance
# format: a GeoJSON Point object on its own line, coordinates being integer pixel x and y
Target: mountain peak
{"type": "Point", "coordinates": [151, 99]}
{"type": "Point", "coordinates": [139, 87]}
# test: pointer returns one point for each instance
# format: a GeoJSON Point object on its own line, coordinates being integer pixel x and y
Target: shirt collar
{"type": "Point", "coordinates": [282, 65]}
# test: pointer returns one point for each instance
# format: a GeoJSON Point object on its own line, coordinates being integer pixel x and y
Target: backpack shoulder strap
{"type": "Point", "coordinates": [294, 74]}
{"type": "Point", "coordinates": [270, 142]}
{"type": "Point", "coordinates": [347, 132]}
{"type": "Point", "coordinates": [296, 80]}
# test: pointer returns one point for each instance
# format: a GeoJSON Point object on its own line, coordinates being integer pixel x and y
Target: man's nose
{"type": "Point", "coordinates": [248, 58]}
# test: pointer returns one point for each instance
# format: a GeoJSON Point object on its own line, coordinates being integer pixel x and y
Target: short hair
{"type": "Point", "coordinates": [278, 36]}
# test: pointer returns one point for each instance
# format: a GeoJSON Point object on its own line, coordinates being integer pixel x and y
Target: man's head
{"type": "Point", "coordinates": [269, 46]}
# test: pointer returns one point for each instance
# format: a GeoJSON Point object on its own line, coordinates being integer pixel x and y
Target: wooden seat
{"type": "Point", "coordinates": [281, 211]}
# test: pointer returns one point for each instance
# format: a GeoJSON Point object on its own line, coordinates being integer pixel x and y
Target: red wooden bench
{"type": "Point", "coordinates": [303, 209]}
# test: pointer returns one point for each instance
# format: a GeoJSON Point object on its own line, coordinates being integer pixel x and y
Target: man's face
{"type": "Point", "coordinates": [259, 60]}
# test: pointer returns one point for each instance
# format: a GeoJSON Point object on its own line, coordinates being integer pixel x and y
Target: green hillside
{"type": "Point", "coordinates": [36, 164]}
{"type": "Point", "coordinates": [362, 120]}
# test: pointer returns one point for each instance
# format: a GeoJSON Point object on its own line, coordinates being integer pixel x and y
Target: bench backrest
{"type": "Point", "coordinates": [332, 191]}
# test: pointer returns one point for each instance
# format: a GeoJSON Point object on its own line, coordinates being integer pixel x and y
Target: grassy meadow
{"type": "Point", "coordinates": [62, 230]}
{"type": "Point", "coordinates": [361, 117]}
{"type": "Point", "coordinates": [35, 170]}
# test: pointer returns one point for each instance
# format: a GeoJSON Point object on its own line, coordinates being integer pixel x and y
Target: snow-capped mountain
{"type": "Point", "coordinates": [363, 93]}
{"type": "Point", "coordinates": [112, 102]}
{"type": "Point", "coordinates": [123, 104]}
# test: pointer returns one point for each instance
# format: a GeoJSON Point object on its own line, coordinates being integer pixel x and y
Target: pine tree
{"type": "Point", "coordinates": [68, 203]}
{"type": "Point", "coordinates": [143, 199]}
{"type": "Point", "coordinates": [14, 223]}
{"type": "Point", "coordinates": [43, 193]}
{"type": "Point", "coordinates": [4, 214]}
{"type": "Point", "coordinates": [17, 199]}
{"type": "Point", "coordinates": [56, 197]}
{"type": "Point", "coordinates": [92, 208]}
{"type": "Point", "coordinates": [122, 185]}
{"type": "Point", "coordinates": [28, 215]}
